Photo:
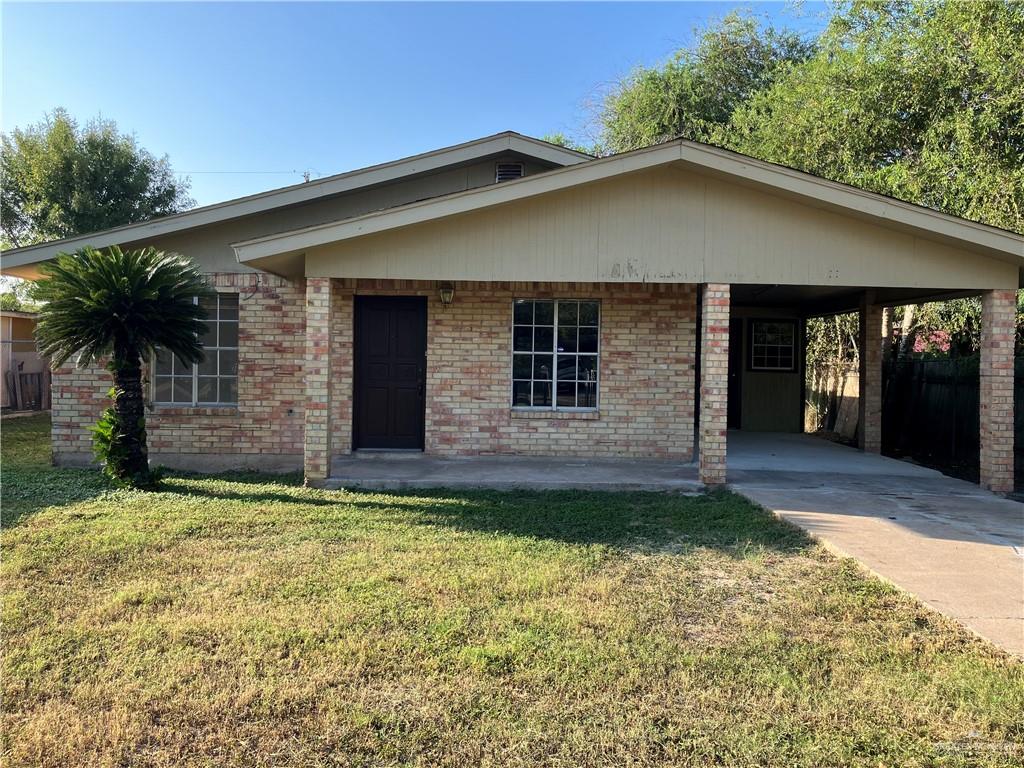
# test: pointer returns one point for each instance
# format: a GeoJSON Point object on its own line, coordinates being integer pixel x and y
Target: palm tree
{"type": "Point", "coordinates": [121, 305]}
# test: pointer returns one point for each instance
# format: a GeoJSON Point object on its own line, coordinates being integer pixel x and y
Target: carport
{"type": "Point", "coordinates": [762, 329]}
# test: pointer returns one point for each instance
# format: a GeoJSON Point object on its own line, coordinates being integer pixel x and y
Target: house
{"type": "Point", "coordinates": [509, 296]}
{"type": "Point", "coordinates": [24, 375]}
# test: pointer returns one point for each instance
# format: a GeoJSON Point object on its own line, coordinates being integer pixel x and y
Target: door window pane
{"type": "Point", "coordinates": [773, 345]}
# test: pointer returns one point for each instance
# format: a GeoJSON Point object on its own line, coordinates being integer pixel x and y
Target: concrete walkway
{"type": "Point", "coordinates": [956, 547]}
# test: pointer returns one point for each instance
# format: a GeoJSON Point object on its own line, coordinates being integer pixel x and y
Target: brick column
{"type": "Point", "coordinates": [319, 386]}
{"type": "Point", "coordinates": [998, 316]}
{"type": "Point", "coordinates": [872, 339]}
{"type": "Point", "coordinates": [714, 382]}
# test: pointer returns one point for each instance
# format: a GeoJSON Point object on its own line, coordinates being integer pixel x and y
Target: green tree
{"type": "Point", "coordinates": [694, 94]}
{"type": "Point", "coordinates": [562, 140]}
{"type": "Point", "coordinates": [15, 295]}
{"type": "Point", "coordinates": [923, 101]}
{"type": "Point", "coordinates": [920, 100]}
{"type": "Point", "coordinates": [60, 180]}
{"type": "Point", "coordinates": [121, 306]}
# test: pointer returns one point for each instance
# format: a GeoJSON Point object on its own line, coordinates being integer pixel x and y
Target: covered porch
{"type": "Point", "coordinates": [679, 371]}
{"type": "Point", "coordinates": [678, 243]}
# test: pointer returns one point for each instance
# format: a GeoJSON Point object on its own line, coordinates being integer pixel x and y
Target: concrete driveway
{"type": "Point", "coordinates": [956, 547]}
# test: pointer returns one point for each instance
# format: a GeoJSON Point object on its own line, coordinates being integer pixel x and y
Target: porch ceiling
{"type": "Point", "coordinates": [814, 300]}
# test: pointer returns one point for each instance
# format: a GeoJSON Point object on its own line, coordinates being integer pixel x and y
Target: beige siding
{"type": "Point", "coordinates": [663, 225]}
{"type": "Point", "coordinates": [211, 246]}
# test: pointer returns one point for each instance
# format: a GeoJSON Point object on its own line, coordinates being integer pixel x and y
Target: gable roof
{"type": "Point", "coordinates": [506, 141]}
{"type": "Point", "coordinates": [705, 158]}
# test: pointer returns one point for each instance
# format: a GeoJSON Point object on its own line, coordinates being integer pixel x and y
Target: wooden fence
{"type": "Point", "coordinates": [27, 391]}
{"type": "Point", "coordinates": [833, 393]}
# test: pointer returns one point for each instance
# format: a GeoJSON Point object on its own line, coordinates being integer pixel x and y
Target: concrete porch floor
{"type": "Point", "coordinates": [956, 547]}
{"type": "Point", "coordinates": [387, 470]}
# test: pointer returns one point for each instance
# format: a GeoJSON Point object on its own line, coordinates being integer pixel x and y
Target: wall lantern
{"type": "Point", "coordinates": [447, 292]}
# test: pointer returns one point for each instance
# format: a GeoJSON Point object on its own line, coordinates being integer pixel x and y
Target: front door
{"type": "Point", "coordinates": [390, 371]}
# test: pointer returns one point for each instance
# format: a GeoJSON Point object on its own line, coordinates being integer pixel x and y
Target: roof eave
{"type": "Point", "coordinates": [17, 258]}
{"type": "Point", "coordinates": [702, 158]}
{"type": "Point", "coordinates": [449, 205]}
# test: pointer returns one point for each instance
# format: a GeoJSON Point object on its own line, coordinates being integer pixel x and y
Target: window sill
{"type": "Point", "coordinates": [549, 415]}
{"type": "Point", "coordinates": [158, 409]}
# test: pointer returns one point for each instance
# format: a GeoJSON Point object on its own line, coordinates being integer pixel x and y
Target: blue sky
{"type": "Point", "coordinates": [328, 87]}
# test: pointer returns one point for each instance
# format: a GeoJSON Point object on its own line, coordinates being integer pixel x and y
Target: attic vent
{"type": "Point", "coordinates": [508, 171]}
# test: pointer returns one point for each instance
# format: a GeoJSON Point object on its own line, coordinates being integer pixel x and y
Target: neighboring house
{"type": "Point", "coordinates": [508, 296]}
{"type": "Point", "coordinates": [24, 377]}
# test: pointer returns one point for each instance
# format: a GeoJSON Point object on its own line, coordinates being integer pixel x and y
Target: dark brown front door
{"type": "Point", "coordinates": [390, 371]}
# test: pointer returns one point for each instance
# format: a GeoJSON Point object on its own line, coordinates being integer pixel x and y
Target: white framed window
{"type": "Point", "coordinates": [214, 380]}
{"type": "Point", "coordinates": [555, 354]}
{"type": "Point", "coordinates": [772, 345]}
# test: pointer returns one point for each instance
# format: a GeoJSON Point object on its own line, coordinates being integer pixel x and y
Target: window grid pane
{"type": "Point", "coordinates": [214, 379]}
{"type": "Point", "coordinates": [568, 378]}
{"type": "Point", "coordinates": [772, 345]}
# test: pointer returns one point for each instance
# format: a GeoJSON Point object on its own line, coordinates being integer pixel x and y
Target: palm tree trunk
{"type": "Point", "coordinates": [131, 418]}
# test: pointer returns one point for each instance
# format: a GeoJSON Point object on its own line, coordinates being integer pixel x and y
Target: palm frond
{"type": "Point", "coordinates": [101, 303]}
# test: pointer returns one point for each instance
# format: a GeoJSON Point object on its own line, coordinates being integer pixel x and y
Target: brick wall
{"type": "Point", "coordinates": [646, 371]}
{"type": "Point", "coordinates": [648, 337]}
{"type": "Point", "coordinates": [998, 320]}
{"type": "Point", "coordinates": [264, 431]}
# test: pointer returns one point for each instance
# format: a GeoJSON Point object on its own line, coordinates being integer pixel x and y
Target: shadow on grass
{"type": "Point", "coordinates": [25, 491]}
{"type": "Point", "coordinates": [644, 521]}
{"type": "Point", "coordinates": [628, 521]}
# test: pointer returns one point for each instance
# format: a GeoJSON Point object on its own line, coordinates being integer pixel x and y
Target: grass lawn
{"type": "Point", "coordinates": [246, 620]}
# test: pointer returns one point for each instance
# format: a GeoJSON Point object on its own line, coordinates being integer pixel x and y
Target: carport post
{"type": "Point", "coordinates": [872, 335]}
{"type": "Point", "coordinates": [998, 316]}
{"type": "Point", "coordinates": [714, 382]}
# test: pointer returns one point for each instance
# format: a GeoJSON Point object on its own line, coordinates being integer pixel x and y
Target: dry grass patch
{"type": "Point", "coordinates": [244, 620]}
